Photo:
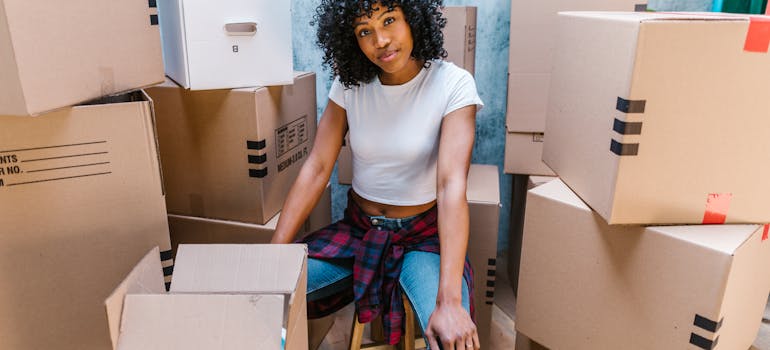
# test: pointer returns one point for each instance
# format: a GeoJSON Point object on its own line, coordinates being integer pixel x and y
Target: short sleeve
{"type": "Point", "coordinates": [463, 93]}
{"type": "Point", "coordinates": [337, 93]}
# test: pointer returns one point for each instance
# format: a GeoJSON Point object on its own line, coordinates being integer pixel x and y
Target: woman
{"type": "Point", "coordinates": [411, 119]}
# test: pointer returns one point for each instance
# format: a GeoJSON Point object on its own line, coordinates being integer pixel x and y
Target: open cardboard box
{"type": "Point", "coordinates": [227, 296]}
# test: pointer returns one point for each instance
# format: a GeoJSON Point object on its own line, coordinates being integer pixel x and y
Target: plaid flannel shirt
{"type": "Point", "coordinates": [378, 256]}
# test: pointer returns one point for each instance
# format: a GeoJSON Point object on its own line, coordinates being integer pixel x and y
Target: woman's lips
{"type": "Point", "coordinates": [388, 56]}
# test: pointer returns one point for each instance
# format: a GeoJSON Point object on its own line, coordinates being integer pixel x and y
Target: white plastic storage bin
{"type": "Point", "coordinates": [226, 44]}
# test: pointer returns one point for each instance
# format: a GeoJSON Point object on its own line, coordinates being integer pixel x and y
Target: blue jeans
{"type": "Point", "coordinates": [419, 276]}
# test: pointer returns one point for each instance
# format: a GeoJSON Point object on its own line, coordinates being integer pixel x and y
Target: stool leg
{"type": "Point", "coordinates": [409, 333]}
{"type": "Point", "coordinates": [356, 334]}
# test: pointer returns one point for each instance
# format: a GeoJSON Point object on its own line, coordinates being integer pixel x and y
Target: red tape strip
{"type": "Point", "coordinates": [767, 226]}
{"type": "Point", "coordinates": [758, 36]}
{"type": "Point", "coordinates": [717, 206]}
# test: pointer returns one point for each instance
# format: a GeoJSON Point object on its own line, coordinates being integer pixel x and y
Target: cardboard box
{"type": "Point", "coordinates": [250, 269]}
{"type": "Point", "coordinates": [523, 153]}
{"type": "Point", "coordinates": [645, 136]}
{"type": "Point", "coordinates": [345, 163]}
{"type": "Point", "coordinates": [194, 230]}
{"type": "Point", "coordinates": [58, 54]}
{"type": "Point", "coordinates": [460, 36]}
{"type": "Point", "coordinates": [483, 194]}
{"type": "Point", "coordinates": [223, 297]}
{"type": "Point", "coordinates": [532, 46]}
{"type": "Point", "coordinates": [524, 343]}
{"type": "Point", "coordinates": [534, 181]}
{"type": "Point", "coordinates": [81, 199]}
{"type": "Point", "coordinates": [227, 44]}
{"type": "Point", "coordinates": [234, 154]}
{"type": "Point", "coordinates": [587, 285]}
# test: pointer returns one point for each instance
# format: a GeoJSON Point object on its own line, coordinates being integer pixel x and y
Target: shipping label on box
{"type": "Point", "coordinates": [81, 202]}
{"type": "Point", "coordinates": [234, 154]}
{"type": "Point", "coordinates": [657, 133]}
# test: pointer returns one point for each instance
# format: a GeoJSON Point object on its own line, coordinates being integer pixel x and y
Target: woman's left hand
{"type": "Point", "coordinates": [451, 325]}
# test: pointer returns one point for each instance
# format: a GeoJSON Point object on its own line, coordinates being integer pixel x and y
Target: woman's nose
{"type": "Point", "coordinates": [383, 40]}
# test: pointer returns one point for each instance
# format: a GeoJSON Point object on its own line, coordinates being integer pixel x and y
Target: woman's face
{"type": "Point", "coordinates": [386, 39]}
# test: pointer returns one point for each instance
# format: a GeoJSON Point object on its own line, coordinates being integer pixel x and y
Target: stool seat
{"type": "Point", "coordinates": [409, 340]}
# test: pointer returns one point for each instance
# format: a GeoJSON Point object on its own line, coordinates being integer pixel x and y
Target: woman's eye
{"type": "Point", "coordinates": [363, 33]}
{"type": "Point", "coordinates": [389, 20]}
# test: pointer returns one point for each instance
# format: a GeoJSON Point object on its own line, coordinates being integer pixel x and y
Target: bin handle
{"type": "Point", "coordinates": [241, 28]}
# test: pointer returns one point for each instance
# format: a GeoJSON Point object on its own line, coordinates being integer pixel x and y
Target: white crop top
{"type": "Point", "coordinates": [394, 131]}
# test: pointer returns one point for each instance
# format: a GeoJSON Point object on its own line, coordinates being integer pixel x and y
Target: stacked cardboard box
{"type": "Point", "coordinates": [233, 154]}
{"type": "Point", "coordinates": [460, 44]}
{"type": "Point", "coordinates": [530, 56]}
{"type": "Point", "coordinates": [669, 145]}
{"type": "Point", "coordinates": [80, 185]}
{"type": "Point", "coordinates": [483, 194]}
{"type": "Point", "coordinates": [532, 46]}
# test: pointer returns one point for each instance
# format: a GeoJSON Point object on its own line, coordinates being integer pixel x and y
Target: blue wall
{"type": "Point", "coordinates": [491, 72]}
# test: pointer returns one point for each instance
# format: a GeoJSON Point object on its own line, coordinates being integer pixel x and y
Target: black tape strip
{"type": "Point", "coordinates": [257, 145]}
{"type": "Point", "coordinates": [168, 286]}
{"type": "Point", "coordinates": [488, 303]}
{"type": "Point", "coordinates": [707, 324]}
{"type": "Point", "coordinates": [630, 106]}
{"type": "Point", "coordinates": [490, 272]}
{"type": "Point", "coordinates": [168, 270]}
{"type": "Point", "coordinates": [640, 8]}
{"type": "Point", "coordinates": [154, 20]}
{"type": "Point", "coordinates": [153, 4]}
{"type": "Point", "coordinates": [627, 128]}
{"type": "Point", "coordinates": [624, 149]}
{"type": "Point", "coordinates": [491, 284]}
{"type": "Point", "coordinates": [166, 255]}
{"type": "Point", "coordinates": [702, 342]}
{"type": "Point", "coordinates": [257, 159]}
{"type": "Point", "coordinates": [490, 294]}
{"type": "Point", "coordinates": [258, 173]}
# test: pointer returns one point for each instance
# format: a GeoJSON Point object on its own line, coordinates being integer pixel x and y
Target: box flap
{"type": "Point", "coordinates": [145, 278]}
{"type": "Point", "coordinates": [238, 268]}
{"type": "Point", "coordinates": [483, 184]}
{"type": "Point", "coordinates": [212, 322]}
{"type": "Point", "coordinates": [723, 238]}
{"type": "Point", "coordinates": [558, 190]}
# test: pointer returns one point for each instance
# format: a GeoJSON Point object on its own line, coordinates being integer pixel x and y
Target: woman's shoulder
{"type": "Point", "coordinates": [448, 72]}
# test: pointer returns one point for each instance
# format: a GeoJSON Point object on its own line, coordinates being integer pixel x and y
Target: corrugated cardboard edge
{"type": "Point", "coordinates": [145, 278]}
{"type": "Point", "coordinates": [297, 325]}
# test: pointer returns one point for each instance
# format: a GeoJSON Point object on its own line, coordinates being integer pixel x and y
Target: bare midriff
{"type": "Point", "coordinates": [389, 210]}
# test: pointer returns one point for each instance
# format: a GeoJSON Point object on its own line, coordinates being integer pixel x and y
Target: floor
{"type": "Point", "coordinates": [504, 335]}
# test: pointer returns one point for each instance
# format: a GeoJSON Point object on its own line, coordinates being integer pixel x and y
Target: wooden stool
{"type": "Point", "coordinates": [409, 341]}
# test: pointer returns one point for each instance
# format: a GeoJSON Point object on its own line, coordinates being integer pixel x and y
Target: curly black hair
{"type": "Point", "coordinates": [341, 51]}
